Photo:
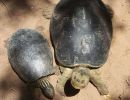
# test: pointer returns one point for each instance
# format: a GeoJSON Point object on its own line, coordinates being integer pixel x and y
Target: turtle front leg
{"type": "Point", "coordinates": [99, 83]}
{"type": "Point", "coordinates": [48, 9]}
{"type": "Point", "coordinates": [45, 86]}
{"type": "Point", "coordinates": [62, 80]}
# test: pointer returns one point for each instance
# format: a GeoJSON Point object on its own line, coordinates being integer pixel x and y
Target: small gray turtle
{"type": "Point", "coordinates": [30, 57]}
{"type": "Point", "coordinates": [81, 32]}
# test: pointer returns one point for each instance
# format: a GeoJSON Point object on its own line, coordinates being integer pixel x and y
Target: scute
{"type": "Point", "coordinates": [29, 55]}
{"type": "Point", "coordinates": [81, 35]}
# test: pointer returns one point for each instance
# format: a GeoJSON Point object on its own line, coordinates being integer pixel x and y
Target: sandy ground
{"type": "Point", "coordinates": [28, 14]}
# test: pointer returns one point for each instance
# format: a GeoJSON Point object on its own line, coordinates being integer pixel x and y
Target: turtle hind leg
{"type": "Point", "coordinates": [62, 80]}
{"type": "Point", "coordinates": [48, 10]}
{"type": "Point", "coordinates": [99, 84]}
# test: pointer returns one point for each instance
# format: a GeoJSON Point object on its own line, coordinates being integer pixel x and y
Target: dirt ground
{"type": "Point", "coordinates": [29, 14]}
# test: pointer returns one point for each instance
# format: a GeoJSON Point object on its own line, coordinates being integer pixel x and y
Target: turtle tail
{"type": "Point", "coordinates": [46, 88]}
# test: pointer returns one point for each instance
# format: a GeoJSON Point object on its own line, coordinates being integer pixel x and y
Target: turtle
{"type": "Point", "coordinates": [31, 58]}
{"type": "Point", "coordinates": [81, 34]}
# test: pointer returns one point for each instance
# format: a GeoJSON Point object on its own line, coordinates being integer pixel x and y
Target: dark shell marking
{"type": "Point", "coordinates": [81, 32]}
{"type": "Point", "coordinates": [29, 55]}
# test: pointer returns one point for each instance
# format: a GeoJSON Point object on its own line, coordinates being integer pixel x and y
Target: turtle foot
{"type": "Point", "coordinates": [46, 88]}
{"type": "Point", "coordinates": [60, 87]}
{"type": "Point", "coordinates": [62, 81]}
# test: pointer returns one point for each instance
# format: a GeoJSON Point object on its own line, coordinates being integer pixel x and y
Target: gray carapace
{"type": "Point", "coordinates": [30, 57]}
{"type": "Point", "coordinates": [81, 32]}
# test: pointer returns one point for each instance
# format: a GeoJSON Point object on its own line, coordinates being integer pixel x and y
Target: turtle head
{"type": "Point", "coordinates": [80, 77]}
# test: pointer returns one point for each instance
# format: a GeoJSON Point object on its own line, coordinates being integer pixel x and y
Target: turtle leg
{"type": "Point", "coordinates": [46, 88]}
{"type": "Point", "coordinates": [96, 80]}
{"type": "Point", "coordinates": [63, 79]}
{"type": "Point", "coordinates": [48, 9]}
{"type": "Point", "coordinates": [57, 70]}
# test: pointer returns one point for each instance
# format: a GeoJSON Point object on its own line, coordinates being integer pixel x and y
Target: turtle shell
{"type": "Point", "coordinates": [29, 55]}
{"type": "Point", "coordinates": [81, 32]}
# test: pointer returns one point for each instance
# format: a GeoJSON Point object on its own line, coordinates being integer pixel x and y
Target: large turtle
{"type": "Point", "coordinates": [30, 57]}
{"type": "Point", "coordinates": [81, 32]}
